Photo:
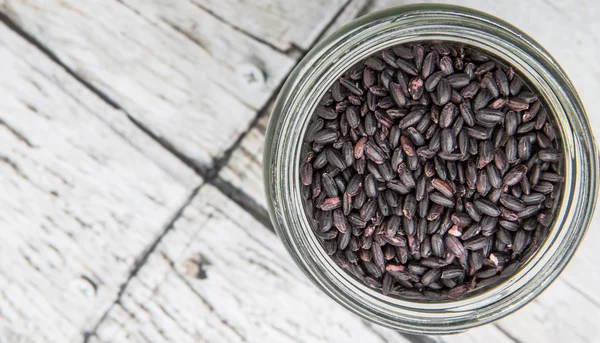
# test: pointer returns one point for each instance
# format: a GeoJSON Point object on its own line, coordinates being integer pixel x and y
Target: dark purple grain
{"type": "Point", "coordinates": [394, 168]}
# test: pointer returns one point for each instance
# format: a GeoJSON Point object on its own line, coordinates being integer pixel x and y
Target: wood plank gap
{"type": "Point", "coordinates": [244, 201]}
{"type": "Point", "coordinates": [221, 162]}
{"type": "Point", "coordinates": [331, 22]}
{"type": "Point", "coordinates": [140, 262]}
{"type": "Point", "coordinates": [209, 173]}
{"type": "Point", "coordinates": [202, 171]}
{"type": "Point", "coordinates": [16, 133]}
{"type": "Point", "coordinates": [507, 334]}
{"type": "Point", "coordinates": [53, 57]}
{"type": "Point", "coordinates": [578, 290]}
{"type": "Point", "coordinates": [254, 209]}
{"type": "Point", "coordinates": [188, 36]}
{"type": "Point", "coordinates": [421, 338]}
{"type": "Point", "coordinates": [366, 9]}
{"type": "Point", "coordinates": [289, 51]}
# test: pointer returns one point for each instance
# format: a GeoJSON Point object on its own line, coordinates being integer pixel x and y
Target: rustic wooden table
{"type": "Point", "coordinates": [132, 135]}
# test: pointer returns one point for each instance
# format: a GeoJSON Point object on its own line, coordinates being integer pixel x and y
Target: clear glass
{"type": "Point", "coordinates": [359, 39]}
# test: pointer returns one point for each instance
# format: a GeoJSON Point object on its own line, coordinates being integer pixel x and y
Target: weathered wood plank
{"type": "Point", "coordinates": [352, 10]}
{"type": "Point", "coordinates": [559, 315]}
{"type": "Point", "coordinates": [244, 170]}
{"type": "Point", "coordinates": [486, 333]}
{"type": "Point", "coordinates": [229, 55]}
{"type": "Point", "coordinates": [220, 276]}
{"type": "Point", "coordinates": [583, 272]}
{"type": "Point", "coordinates": [81, 199]}
{"type": "Point", "coordinates": [281, 23]}
{"type": "Point", "coordinates": [191, 79]}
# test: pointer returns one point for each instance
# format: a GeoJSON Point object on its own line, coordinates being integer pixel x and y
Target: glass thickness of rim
{"type": "Point", "coordinates": [314, 76]}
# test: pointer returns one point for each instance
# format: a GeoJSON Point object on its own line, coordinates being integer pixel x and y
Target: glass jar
{"type": "Point", "coordinates": [334, 55]}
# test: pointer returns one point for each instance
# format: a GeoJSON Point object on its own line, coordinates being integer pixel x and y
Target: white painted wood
{"type": "Point", "coordinates": [251, 291]}
{"type": "Point", "coordinates": [351, 11]}
{"type": "Point", "coordinates": [226, 56]}
{"type": "Point", "coordinates": [559, 315]}
{"type": "Point", "coordinates": [483, 334]}
{"type": "Point", "coordinates": [81, 200]}
{"type": "Point", "coordinates": [283, 24]}
{"type": "Point", "coordinates": [192, 80]}
{"type": "Point", "coordinates": [244, 170]}
{"type": "Point", "coordinates": [583, 272]}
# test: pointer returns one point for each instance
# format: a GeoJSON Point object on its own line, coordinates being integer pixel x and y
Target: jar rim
{"type": "Point", "coordinates": [359, 39]}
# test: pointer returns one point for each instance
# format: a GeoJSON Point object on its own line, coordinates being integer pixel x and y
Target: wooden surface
{"type": "Point", "coordinates": [72, 189]}
{"type": "Point", "coordinates": [113, 115]}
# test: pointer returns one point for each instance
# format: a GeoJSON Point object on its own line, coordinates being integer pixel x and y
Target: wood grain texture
{"type": "Point", "coordinates": [81, 200]}
{"type": "Point", "coordinates": [283, 24]}
{"type": "Point", "coordinates": [230, 56]}
{"type": "Point", "coordinates": [352, 10]}
{"type": "Point", "coordinates": [220, 276]}
{"type": "Point", "coordinates": [560, 314]}
{"type": "Point", "coordinates": [191, 79]}
{"type": "Point", "coordinates": [482, 334]}
{"type": "Point", "coordinates": [244, 170]}
{"type": "Point", "coordinates": [583, 272]}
